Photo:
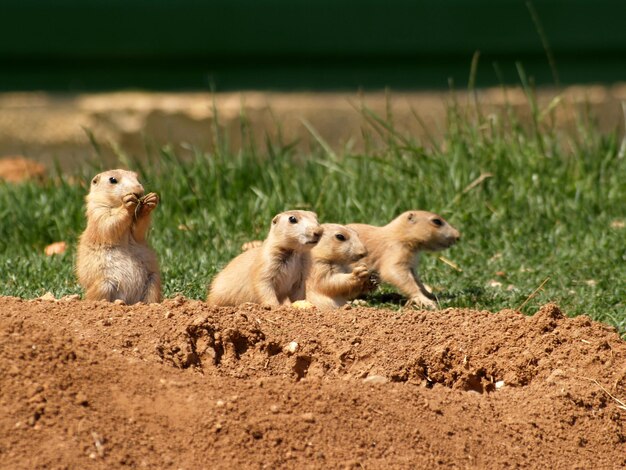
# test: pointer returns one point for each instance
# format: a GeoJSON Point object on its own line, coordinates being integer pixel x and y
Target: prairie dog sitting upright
{"type": "Point", "coordinates": [114, 260]}
{"type": "Point", "coordinates": [393, 250]}
{"type": "Point", "coordinates": [272, 273]}
{"type": "Point", "coordinates": [331, 280]}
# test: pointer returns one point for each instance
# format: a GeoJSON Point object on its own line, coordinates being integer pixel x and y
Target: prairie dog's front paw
{"type": "Point", "coordinates": [422, 302]}
{"type": "Point", "coordinates": [147, 204]}
{"type": "Point", "coordinates": [150, 200]}
{"type": "Point", "coordinates": [360, 273]}
{"type": "Point", "coordinates": [130, 201]}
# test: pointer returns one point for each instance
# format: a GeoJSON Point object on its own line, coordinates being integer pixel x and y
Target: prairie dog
{"type": "Point", "coordinates": [114, 261]}
{"type": "Point", "coordinates": [331, 280]}
{"type": "Point", "coordinates": [272, 273]}
{"type": "Point", "coordinates": [393, 250]}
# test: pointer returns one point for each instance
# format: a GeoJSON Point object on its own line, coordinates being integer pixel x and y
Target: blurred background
{"type": "Point", "coordinates": [133, 72]}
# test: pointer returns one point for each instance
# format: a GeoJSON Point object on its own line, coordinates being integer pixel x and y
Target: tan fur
{"type": "Point", "coordinates": [332, 280]}
{"type": "Point", "coordinates": [114, 260]}
{"type": "Point", "coordinates": [393, 250]}
{"type": "Point", "coordinates": [253, 244]}
{"type": "Point", "coordinates": [272, 273]}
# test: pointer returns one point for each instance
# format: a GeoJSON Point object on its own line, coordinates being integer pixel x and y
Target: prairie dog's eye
{"type": "Point", "coordinates": [437, 222]}
{"type": "Point", "coordinates": [340, 237]}
{"type": "Point", "coordinates": [113, 180]}
{"type": "Point", "coordinates": [292, 219]}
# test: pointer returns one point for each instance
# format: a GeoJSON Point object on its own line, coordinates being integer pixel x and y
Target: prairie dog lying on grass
{"type": "Point", "coordinates": [114, 260]}
{"type": "Point", "coordinates": [393, 250]}
{"type": "Point", "coordinates": [331, 280]}
{"type": "Point", "coordinates": [272, 273]}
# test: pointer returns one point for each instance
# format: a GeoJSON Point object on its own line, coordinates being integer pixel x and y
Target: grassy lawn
{"type": "Point", "coordinates": [535, 205]}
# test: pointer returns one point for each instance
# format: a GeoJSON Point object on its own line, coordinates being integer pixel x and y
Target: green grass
{"type": "Point", "coordinates": [548, 205]}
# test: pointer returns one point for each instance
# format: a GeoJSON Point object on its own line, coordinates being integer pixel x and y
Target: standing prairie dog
{"type": "Point", "coordinates": [393, 250]}
{"type": "Point", "coordinates": [331, 280]}
{"type": "Point", "coordinates": [272, 273]}
{"type": "Point", "coordinates": [114, 260]}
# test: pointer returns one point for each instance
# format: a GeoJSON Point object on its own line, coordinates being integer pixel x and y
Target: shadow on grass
{"type": "Point", "coordinates": [474, 294]}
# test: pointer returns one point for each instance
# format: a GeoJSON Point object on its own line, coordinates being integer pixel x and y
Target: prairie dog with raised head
{"type": "Point", "coordinates": [272, 273]}
{"type": "Point", "coordinates": [332, 280]}
{"type": "Point", "coordinates": [393, 250]}
{"type": "Point", "coordinates": [114, 260]}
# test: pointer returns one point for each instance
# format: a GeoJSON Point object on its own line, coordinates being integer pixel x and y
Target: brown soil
{"type": "Point", "coordinates": [185, 385]}
{"type": "Point", "coordinates": [18, 169]}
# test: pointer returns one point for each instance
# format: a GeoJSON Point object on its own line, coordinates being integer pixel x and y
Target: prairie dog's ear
{"type": "Point", "coordinates": [411, 217]}
{"type": "Point", "coordinates": [95, 179]}
{"type": "Point", "coordinates": [275, 219]}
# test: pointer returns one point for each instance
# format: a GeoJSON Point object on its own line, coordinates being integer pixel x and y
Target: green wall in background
{"type": "Point", "coordinates": [74, 45]}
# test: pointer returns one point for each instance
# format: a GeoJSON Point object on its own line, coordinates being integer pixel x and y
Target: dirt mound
{"type": "Point", "coordinates": [18, 169]}
{"type": "Point", "coordinates": [185, 385]}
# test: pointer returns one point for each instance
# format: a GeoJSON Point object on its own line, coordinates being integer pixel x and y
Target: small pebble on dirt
{"type": "Point", "coordinates": [308, 417]}
{"type": "Point", "coordinates": [81, 399]}
{"type": "Point", "coordinates": [35, 389]}
{"type": "Point", "coordinates": [199, 320]}
{"type": "Point", "coordinates": [179, 300]}
{"type": "Point", "coordinates": [375, 379]}
{"type": "Point", "coordinates": [48, 297]}
{"type": "Point", "coordinates": [291, 348]}
{"type": "Point", "coordinates": [274, 409]}
{"type": "Point", "coordinates": [302, 304]}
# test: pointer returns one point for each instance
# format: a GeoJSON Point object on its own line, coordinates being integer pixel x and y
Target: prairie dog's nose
{"type": "Point", "coordinates": [317, 232]}
{"type": "Point", "coordinates": [138, 190]}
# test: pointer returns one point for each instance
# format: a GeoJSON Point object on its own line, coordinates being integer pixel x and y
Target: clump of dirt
{"type": "Point", "coordinates": [183, 384]}
{"type": "Point", "coordinates": [19, 169]}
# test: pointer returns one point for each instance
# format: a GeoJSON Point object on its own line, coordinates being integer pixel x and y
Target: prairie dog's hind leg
{"type": "Point", "coordinates": [102, 290]}
{"type": "Point", "coordinates": [152, 293]}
